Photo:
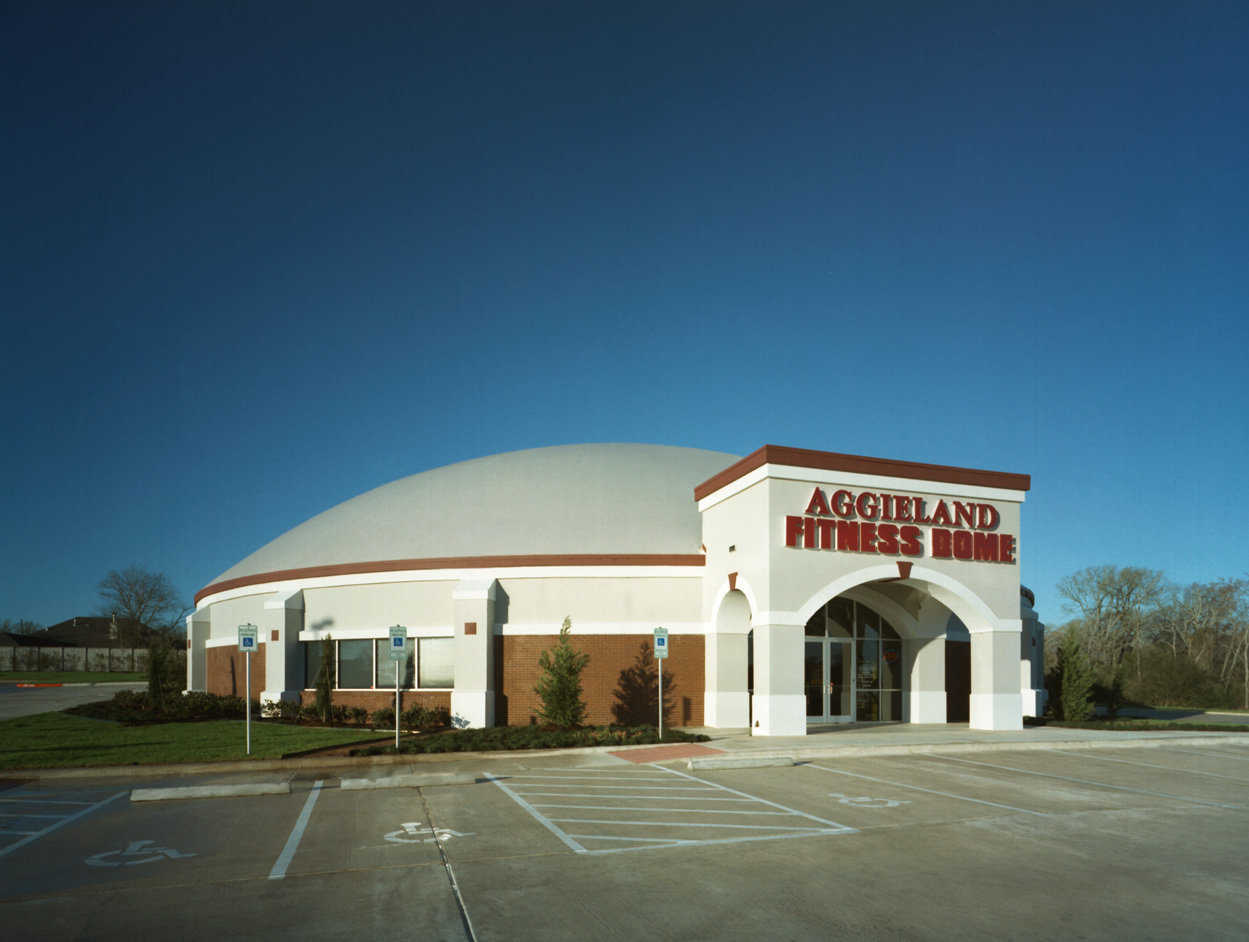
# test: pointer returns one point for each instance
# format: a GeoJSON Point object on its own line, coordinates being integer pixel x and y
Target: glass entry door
{"type": "Point", "coordinates": [828, 680]}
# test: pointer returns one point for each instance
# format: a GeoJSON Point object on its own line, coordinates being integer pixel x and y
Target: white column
{"type": "Point", "coordinates": [198, 628]}
{"type": "Point", "coordinates": [925, 693]}
{"type": "Point", "coordinates": [995, 700]}
{"type": "Point", "coordinates": [780, 708]}
{"type": "Point", "coordinates": [472, 700]}
{"type": "Point", "coordinates": [279, 633]}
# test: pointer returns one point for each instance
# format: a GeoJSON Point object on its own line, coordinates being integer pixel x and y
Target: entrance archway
{"type": "Point", "coordinates": [929, 599]}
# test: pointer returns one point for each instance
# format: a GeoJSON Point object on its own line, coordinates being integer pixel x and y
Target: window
{"type": "Point", "coordinates": [365, 664]}
{"type": "Point", "coordinates": [355, 664]}
{"type": "Point", "coordinates": [437, 662]}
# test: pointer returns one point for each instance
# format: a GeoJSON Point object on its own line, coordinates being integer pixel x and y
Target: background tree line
{"type": "Point", "coordinates": [1149, 641]}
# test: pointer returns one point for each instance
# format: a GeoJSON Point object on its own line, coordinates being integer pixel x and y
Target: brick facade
{"type": "Point", "coordinates": [611, 656]}
{"type": "Point", "coordinates": [226, 673]}
{"type": "Point", "coordinates": [381, 699]}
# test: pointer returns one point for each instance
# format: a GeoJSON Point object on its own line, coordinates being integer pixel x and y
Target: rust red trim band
{"type": "Point", "coordinates": [455, 562]}
{"type": "Point", "coordinates": [858, 464]}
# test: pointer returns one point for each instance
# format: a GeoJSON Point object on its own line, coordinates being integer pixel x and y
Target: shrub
{"type": "Point", "coordinates": [359, 715]}
{"type": "Point", "coordinates": [133, 708]}
{"type": "Point", "coordinates": [384, 717]}
{"type": "Point", "coordinates": [559, 687]}
{"type": "Point", "coordinates": [288, 711]}
{"type": "Point", "coordinates": [1075, 681]}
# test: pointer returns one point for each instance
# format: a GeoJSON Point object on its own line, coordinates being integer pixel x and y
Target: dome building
{"type": "Point", "coordinates": [797, 587]}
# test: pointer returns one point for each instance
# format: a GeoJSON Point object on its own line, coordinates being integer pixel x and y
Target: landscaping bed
{"type": "Point", "coordinates": [494, 738]}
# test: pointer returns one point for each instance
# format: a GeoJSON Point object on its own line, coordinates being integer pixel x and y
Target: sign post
{"type": "Point", "coordinates": [661, 652]}
{"type": "Point", "coordinates": [248, 638]}
{"type": "Point", "coordinates": [398, 647]}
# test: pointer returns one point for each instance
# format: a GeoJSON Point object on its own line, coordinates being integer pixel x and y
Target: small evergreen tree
{"type": "Point", "coordinates": [559, 687]}
{"type": "Point", "coordinates": [1076, 680]}
{"type": "Point", "coordinates": [157, 674]}
{"type": "Point", "coordinates": [325, 682]}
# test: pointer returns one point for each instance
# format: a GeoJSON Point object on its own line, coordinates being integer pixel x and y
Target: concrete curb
{"type": "Point", "coordinates": [739, 762]}
{"type": "Point", "coordinates": [411, 780]}
{"type": "Point", "coordinates": [210, 791]}
{"type": "Point", "coordinates": [853, 752]}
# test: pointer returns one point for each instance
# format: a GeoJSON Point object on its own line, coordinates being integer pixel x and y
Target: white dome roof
{"type": "Point", "coordinates": [568, 499]}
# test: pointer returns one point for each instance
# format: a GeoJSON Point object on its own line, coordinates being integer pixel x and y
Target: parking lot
{"type": "Point", "coordinates": [1146, 843]}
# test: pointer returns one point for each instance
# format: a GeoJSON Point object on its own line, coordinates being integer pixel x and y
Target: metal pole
{"type": "Point", "coordinates": [396, 706]}
{"type": "Point", "coordinates": [661, 700]}
{"type": "Point", "coordinates": [247, 696]}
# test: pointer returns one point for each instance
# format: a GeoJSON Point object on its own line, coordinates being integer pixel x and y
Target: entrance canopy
{"type": "Point", "coordinates": [852, 570]}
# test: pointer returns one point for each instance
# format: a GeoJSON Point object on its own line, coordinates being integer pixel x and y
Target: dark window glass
{"type": "Point", "coordinates": [312, 662]}
{"type": "Point", "coordinates": [841, 618]}
{"type": "Point", "coordinates": [355, 664]}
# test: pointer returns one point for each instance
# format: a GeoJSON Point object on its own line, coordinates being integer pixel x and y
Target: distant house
{"type": "Point", "coordinates": [93, 631]}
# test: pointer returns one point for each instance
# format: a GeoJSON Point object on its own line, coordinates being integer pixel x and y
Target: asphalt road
{"type": "Point", "coordinates": [25, 701]}
{"type": "Point", "coordinates": [1142, 843]}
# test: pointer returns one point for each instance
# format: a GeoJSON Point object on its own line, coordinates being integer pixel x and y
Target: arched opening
{"type": "Point", "coordinates": [853, 665]}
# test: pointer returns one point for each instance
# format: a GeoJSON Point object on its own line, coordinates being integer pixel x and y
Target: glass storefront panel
{"type": "Point", "coordinates": [867, 664]}
{"type": "Point", "coordinates": [386, 667]}
{"type": "Point", "coordinates": [867, 704]}
{"type": "Point", "coordinates": [839, 679]}
{"type": "Point", "coordinates": [813, 678]}
{"type": "Point", "coordinates": [840, 618]}
{"type": "Point", "coordinates": [355, 664]}
{"type": "Point", "coordinates": [891, 665]}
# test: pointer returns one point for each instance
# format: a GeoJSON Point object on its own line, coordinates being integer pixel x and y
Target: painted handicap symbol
{"type": "Point", "coordinates": [138, 852]}
{"type": "Point", "coordinates": [863, 801]}
{"type": "Point", "coordinates": [413, 832]}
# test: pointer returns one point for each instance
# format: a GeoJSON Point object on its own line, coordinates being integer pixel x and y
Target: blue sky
{"type": "Point", "coordinates": [259, 258]}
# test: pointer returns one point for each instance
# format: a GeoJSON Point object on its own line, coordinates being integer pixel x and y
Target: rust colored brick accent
{"type": "Point", "coordinates": [381, 699]}
{"type": "Point", "coordinates": [225, 671]}
{"type": "Point", "coordinates": [274, 635]}
{"type": "Point", "coordinates": [610, 655]}
{"type": "Point", "coordinates": [470, 627]}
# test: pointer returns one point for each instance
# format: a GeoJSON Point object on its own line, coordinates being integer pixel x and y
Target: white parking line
{"type": "Point", "coordinates": [1084, 781]}
{"type": "Point", "coordinates": [1150, 765]}
{"type": "Point", "coordinates": [675, 819]}
{"type": "Point", "coordinates": [297, 833]}
{"type": "Point", "coordinates": [930, 791]}
{"type": "Point", "coordinates": [35, 835]}
{"type": "Point", "coordinates": [646, 797]}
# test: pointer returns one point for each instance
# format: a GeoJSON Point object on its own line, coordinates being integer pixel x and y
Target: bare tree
{"type": "Point", "coordinates": [1115, 606]}
{"type": "Point", "coordinates": [19, 626]}
{"type": "Point", "coordinates": [139, 599]}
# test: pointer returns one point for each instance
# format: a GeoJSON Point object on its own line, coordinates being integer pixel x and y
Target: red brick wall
{"type": "Point", "coordinates": [225, 673]}
{"type": "Point", "coordinates": [517, 658]}
{"type": "Point", "coordinates": [380, 699]}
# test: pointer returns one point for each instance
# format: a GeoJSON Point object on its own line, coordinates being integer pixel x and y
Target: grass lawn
{"type": "Point", "coordinates": [72, 677]}
{"type": "Point", "coordinates": [56, 740]}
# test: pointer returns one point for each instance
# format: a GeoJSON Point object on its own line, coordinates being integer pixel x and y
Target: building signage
{"type": "Point", "coordinates": [899, 524]}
